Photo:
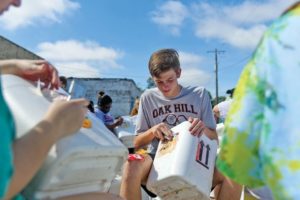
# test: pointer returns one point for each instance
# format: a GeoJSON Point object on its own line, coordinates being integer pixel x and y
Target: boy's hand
{"type": "Point", "coordinates": [161, 131]}
{"type": "Point", "coordinates": [197, 126]}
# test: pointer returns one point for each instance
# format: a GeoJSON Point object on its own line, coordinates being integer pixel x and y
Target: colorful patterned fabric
{"type": "Point", "coordinates": [261, 144]}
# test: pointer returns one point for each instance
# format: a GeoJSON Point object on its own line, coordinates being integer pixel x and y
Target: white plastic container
{"type": "Point", "coordinates": [126, 132]}
{"type": "Point", "coordinates": [84, 162]}
{"type": "Point", "coordinates": [183, 167]}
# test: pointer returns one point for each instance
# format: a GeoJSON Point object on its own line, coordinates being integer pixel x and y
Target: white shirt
{"type": "Point", "coordinates": [224, 108]}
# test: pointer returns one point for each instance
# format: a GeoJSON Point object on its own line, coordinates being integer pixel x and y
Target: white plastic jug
{"type": "Point", "coordinates": [84, 162]}
{"type": "Point", "coordinates": [126, 131]}
{"type": "Point", "coordinates": [183, 167]}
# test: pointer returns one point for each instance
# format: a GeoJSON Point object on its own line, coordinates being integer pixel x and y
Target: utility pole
{"type": "Point", "coordinates": [216, 51]}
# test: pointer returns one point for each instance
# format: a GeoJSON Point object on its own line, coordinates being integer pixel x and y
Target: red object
{"type": "Point", "coordinates": [135, 157]}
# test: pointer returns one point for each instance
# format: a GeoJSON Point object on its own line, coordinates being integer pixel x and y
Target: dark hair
{"type": "Point", "coordinates": [163, 60]}
{"type": "Point", "coordinates": [104, 100]}
{"type": "Point", "coordinates": [91, 106]}
{"type": "Point", "coordinates": [230, 92]}
{"type": "Point", "coordinates": [101, 93]}
{"type": "Point", "coordinates": [63, 80]}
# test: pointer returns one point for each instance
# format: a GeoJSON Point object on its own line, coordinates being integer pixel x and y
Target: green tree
{"type": "Point", "coordinates": [220, 99]}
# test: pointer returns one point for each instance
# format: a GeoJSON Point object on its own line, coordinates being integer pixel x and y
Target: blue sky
{"type": "Point", "coordinates": [115, 38]}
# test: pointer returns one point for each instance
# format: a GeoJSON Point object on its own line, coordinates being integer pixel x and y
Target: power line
{"type": "Point", "coordinates": [236, 63]}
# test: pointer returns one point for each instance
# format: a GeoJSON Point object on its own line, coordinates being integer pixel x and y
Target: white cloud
{"type": "Point", "coordinates": [170, 15]}
{"type": "Point", "coordinates": [191, 71]}
{"type": "Point", "coordinates": [241, 25]}
{"type": "Point", "coordinates": [236, 36]}
{"type": "Point", "coordinates": [84, 59]}
{"type": "Point", "coordinates": [77, 69]}
{"type": "Point", "coordinates": [33, 11]}
{"type": "Point", "coordinates": [194, 77]}
{"type": "Point", "coordinates": [190, 60]}
{"type": "Point", "coordinates": [254, 12]}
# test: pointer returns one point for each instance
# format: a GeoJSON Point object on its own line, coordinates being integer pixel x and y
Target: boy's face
{"type": "Point", "coordinates": [167, 82]}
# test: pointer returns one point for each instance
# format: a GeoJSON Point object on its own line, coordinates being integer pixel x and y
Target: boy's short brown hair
{"type": "Point", "coordinates": [163, 60]}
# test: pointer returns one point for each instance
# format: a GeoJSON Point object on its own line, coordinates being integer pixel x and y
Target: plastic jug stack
{"type": "Point", "coordinates": [183, 167]}
{"type": "Point", "coordinates": [126, 132]}
{"type": "Point", "coordinates": [84, 162]}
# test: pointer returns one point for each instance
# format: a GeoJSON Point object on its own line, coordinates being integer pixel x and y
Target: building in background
{"type": "Point", "coordinates": [122, 91]}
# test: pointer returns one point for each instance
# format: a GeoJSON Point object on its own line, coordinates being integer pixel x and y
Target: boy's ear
{"type": "Point", "coordinates": [178, 73]}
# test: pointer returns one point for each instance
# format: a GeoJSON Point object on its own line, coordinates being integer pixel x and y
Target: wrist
{"type": "Point", "coordinates": [151, 133]}
{"type": "Point", "coordinates": [47, 130]}
{"type": "Point", "coordinates": [212, 134]}
{"type": "Point", "coordinates": [8, 66]}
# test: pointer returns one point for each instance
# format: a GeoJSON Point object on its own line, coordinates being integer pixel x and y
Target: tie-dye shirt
{"type": "Point", "coordinates": [261, 144]}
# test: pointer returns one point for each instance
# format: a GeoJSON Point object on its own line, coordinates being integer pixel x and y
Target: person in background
{"type": "Point", "coordinates": [63, 82]}
{"type": "Point", "coordinates": [135, 108]}
{"type": "Point", "coordinates": [221, 109]}
{"type": "Point", "coordinates": [100, 95]}
{"type": "Point", "coordinates": [261, 138]}
{"type": "Point", "coordinates": [162, 108]}
{"type": "Point", "coordinates": [91, 107]}
{"type": "Point", "coordinates": [21, 158]}
{"type": "Point", "coordinates": [102, 112]}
